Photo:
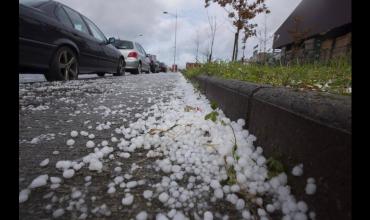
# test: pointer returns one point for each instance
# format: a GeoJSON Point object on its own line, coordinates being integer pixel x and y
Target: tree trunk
{"type": "Point", "coordinates": [235, 49]}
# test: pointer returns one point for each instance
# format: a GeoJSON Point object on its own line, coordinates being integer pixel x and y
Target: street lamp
{"type": "Point", "coordinates": [174, 55]}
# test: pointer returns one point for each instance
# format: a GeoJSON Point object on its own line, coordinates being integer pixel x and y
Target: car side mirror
{"type": "Point", "coordinates": [111, 40]}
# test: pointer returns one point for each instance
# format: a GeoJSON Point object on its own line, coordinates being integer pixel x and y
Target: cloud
{"type": "Point", "coordinates": [127, 19]}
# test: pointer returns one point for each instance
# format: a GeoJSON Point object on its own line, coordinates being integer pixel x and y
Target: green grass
{"type": "Point", "coordinates": [333, 77]}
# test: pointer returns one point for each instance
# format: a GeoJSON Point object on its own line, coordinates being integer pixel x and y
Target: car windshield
{"type": "Point", "coordinates": [121, 44]}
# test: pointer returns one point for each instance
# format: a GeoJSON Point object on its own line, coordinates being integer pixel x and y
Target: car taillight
{"type": "Point", "coordinates": [132, 54]}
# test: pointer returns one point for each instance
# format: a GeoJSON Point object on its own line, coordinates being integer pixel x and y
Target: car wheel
{"type": "Point", "coordinates": [138, 70]}
{"type": "Point", "coordinates": [101, 74]}
{"type": "Point", "coordinates": [63, 66]}
{"type": "Point", "coordinates": [121, 68]}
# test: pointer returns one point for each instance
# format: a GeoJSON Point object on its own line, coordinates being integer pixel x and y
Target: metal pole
{"type": "Point", "coordinates": [174, 56]}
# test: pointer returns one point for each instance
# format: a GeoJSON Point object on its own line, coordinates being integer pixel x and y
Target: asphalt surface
{"type": "Point", "coordinates": [126, 95]}
{"type": "Point", "coordinates": [50, 111]}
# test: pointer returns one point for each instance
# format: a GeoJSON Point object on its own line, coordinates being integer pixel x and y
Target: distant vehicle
{"type": "Point", "coordinates": [62, 43]}
{"type": "Point", "coordinates": [153, 60]}
{"type": "Point", "coordinates": [137, 60]}
{"type": "Point", "coordinates": [157, 68]}
{"type": "Point", "coordinates": [162, 67]}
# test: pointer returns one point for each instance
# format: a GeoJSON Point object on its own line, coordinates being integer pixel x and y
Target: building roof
{"type": "Point", "coordinates": [317, 16]}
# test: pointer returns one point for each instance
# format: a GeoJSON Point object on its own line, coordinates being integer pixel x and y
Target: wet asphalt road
{"type": "Point", "coordinates": [53, 110]}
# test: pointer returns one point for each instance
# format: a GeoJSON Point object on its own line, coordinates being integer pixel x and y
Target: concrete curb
{"type": "Point", "coordinates": [303, 127]}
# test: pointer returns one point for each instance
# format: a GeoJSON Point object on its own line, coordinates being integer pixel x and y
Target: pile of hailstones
{"type": "Point", "coordinates": [195, 156]}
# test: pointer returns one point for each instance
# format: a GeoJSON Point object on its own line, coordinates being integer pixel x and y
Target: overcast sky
{"type": "Point", "coordinates": [127, 19]}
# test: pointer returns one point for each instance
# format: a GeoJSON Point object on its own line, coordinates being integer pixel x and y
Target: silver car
{"type": "Point", "coordinates": [137, 60]}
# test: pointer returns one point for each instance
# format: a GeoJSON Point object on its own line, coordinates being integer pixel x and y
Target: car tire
{"type": "Point", "coordinates": [138, 70]}
{"type": "Point", "coordinates": [63, 66]}
{"type": "Point", "coordinates": [121, 68]}
{"type": "Point", "coordinates": [101, 74]}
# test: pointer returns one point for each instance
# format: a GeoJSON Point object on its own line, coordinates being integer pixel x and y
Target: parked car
{"type": "Point", "coordinates": [162, 67]}
{"type": "Point", "coordinates": [137, 60]}
{"type": "Point", "coordinates": [62, 43]}
{"type": "Point", "coordinates": [157, 68]}
{"type": "Point", "coordinates": [153, 59]}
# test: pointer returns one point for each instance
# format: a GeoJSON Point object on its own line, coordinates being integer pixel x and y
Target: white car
{"type": "Point", "coordinates": [137, 60]}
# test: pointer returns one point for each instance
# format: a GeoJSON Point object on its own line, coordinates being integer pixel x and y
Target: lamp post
{"type": "Point", "coordinates": [174, 55]}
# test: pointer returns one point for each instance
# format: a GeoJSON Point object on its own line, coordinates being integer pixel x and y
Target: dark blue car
{"type": "Point", "coordinates": [62, 43]}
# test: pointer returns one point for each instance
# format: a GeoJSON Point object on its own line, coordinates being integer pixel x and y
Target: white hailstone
{"type": "Point", "coordinates": [270, 208]}
{"type": "Point", "coordinates": [171, 213]}
{"type": "Point", "coordinates": [70, 142]}
{"type": "Point", "coordinates": [23, 195]}
{"type": "Point", "coordinates": [118, 179]}
{"type": "Point", "coordinates": [128, 199]}
{"type": "Point", "coordinates": [235, 188]}
{"type": "Point", "coordinates": [54, 186]}
{"type": "Point", "coordinates": [84, 133]}
{"type": "Point", "coordinates": [111, 190]}
{"type": "Point", "coordinates": [240, 204]}
{"type": "Point", "coordinates": [176, 168]}
{"type": "Point", "coordinates": [226, 189]}
{"type": "Point", "coordinates": [104, 143]}
{"type": "Point", "coordinates": [44, 162]}
{"type": "Point", "coordinates": [312, 215]}
{"type": "Point", "coordinates": [310, 180]}
{"type": "Point", "coordinates": [117, 169]}
{"type": "Point", "coordinates": [90, 144]}
{"type": "Point", "coordinates": [241, 122]}
{"type": "Point", "coordinates": [76, 194]}
{"type": "Point", "coordinates": [55, 180]}
{"type": "Point", "coordinates": [57, 213]}
{"type": "Point", "coordinates": [160, 216]}
{"type": "Point", "coordinates": [142, 215]}
{"type": "Point", "coordinates": [91, 136]}
{"type": "Point", "coordinates": [261, 212]}
{"type": "Point", "coordinates": [95, 164]}
{"type": "Point", "coordinates": [246, 214]}
{"type": "Point", "coordinates": [147, 194]}
{"type": "Point", "coordinates": [298, 170]}
{"type": "Point", "coordinates": [39, 181]}
{"type": "Point", "coordinates": [299, 216]}
{"type": "Point", "coordinates": [259, 201]}
{"type": "Point", "coordinates": [310, 188]}
{"type": "Point", "coordinates": [215, 184]}
{"type": "Point", "coordinates": [63, 164]}
{"type": "Point", "coordinates": [163, 197]}
{"type": "Point", "coordinates": [114, 139]}
{"type": "Point", "coordinates": [179, 216]}
{"type": "Point", "coordinates": [87, 178]}
{"type": "Point", "coordinates": [124, 155]}
{"type": "Point", "coordinates": [131, 184]}
{"type": "Point", "coordinates": [141, 182]}
{"type": "Point", "coordinates": [68, 173]}
{"type": "Point", "coordinates": [302, 206]}
{"type": "Point", "coordinates": [219, 194]}
{"type": "Point", "coordinates": [208, 215]}
{"type": "Point", "coordinates": [55, 152]}
{"type": "Point", "coordinates": [261, 160]}
{"type": "Point", "coordinates": [74, 133]}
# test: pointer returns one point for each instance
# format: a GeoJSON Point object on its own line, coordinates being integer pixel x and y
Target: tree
{"type": "Point", "coordinates": [241, 12]}
{"type": "Point", "coordinates": [197, 42]}
{"type": "Point", "coordinates": [213, 27]}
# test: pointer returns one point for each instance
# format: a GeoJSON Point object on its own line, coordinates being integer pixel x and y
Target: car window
{"type": "Point", "coordinates": [63, 17]}
{"type": "Point", "coordinates": [77, 21]}
{"type": "Point", "coordinates": [33, 3]}
{"type": "Point", "coordinates": [123, 44]}
{"type": "Point", "coordinates": [95, 30]}
{"type": "Point", "coordinates": [138, 48]}
{"type": "Point", "coordinates": [142, 49]}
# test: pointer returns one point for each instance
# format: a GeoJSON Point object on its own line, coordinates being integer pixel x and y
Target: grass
{"type": "Point", "coordinates": [334, 77]}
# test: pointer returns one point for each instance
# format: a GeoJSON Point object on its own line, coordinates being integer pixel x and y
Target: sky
{"type": "Point", "coordinates": [144, 21]}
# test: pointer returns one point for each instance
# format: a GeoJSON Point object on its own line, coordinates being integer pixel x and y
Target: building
{"type": "Point", "coordinates": [316, 30]}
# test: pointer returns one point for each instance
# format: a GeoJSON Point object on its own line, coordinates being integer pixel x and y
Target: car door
{"type": "Point", "coordinates": [109, 59]}
{"type": "Point", "coordinates": [90, 49]}
{"type": "Point", "coordinates": [144, 59]}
